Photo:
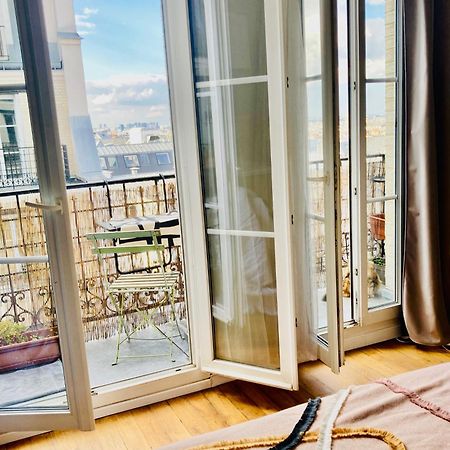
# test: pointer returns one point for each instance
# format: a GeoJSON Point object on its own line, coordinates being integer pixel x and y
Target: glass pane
{"type": "Point", "coordinates": [380, 140]}
{"type": "Point", "coordinates": [245, 299]}
{"type": "Point", "coordinates": [380, 38]}
{"type": "Point", "coordinates": [31, 369]}
{"type": "Point", "coordinates": [381, 250]}
{"type": "Point", "coordinates": [236, 166]}
{"type": "Point", "coordinates": [235, 158]}
{"type": "Point", "coordinates": [312, 37]}
{"type": "Point", "coordinates": [229, 39]}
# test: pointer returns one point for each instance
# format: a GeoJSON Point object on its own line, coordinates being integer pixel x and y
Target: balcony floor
{"type": "Point", "coordinates": [28, 386]}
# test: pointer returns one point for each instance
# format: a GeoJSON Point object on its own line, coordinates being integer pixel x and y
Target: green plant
{"type": "Point", "coordinates": [12, 333]}
{"type": "Point", "coordinates": [379, 261]}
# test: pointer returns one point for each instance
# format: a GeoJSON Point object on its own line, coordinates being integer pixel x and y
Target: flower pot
{"type": "Point", "coordinates": [377, 226]}
{"type": "Point", "coordinates": [44, 350]}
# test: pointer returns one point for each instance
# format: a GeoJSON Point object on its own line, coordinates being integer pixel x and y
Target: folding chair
{"type": "Point", "coordinates": [125, 291]}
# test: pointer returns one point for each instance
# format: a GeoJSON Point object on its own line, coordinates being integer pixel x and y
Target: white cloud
{"type": "Point", "coordinates": [102, 99]}
{"type": "Point", "coordinates": [84, 23]}
{"type": "Point", "coordinates": [90, 11]}
{"type": "Point", "coordinates": [129, 98]}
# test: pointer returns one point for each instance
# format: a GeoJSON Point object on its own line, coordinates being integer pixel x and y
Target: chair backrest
{"type": "Point", "coordinates": [139, 242]}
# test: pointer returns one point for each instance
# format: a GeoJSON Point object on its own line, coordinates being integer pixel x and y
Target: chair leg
{"type": "Point", "coordinates": [119, 309]}
{"type": "Point", "coordinates": [172, 303]}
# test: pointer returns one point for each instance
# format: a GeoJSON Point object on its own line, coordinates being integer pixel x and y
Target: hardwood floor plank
{"type": "Point", "coordinates": [241, 401]}
{"type": "Point", "coordinates": [224, 405]}
{"type": "Point", "coordinates": [235, 402]}
{"type": "Point", "coordinates": [197, 414]}
{"type": "Point", "coordinates": [159, 424]}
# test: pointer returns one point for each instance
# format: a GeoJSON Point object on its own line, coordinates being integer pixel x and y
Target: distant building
{"type": "Point", "coordinates": [134, 159]}
{"type": "Point", "coordinates": [17, 164]}
{"type": "Point", "coordinates": [141, 135]}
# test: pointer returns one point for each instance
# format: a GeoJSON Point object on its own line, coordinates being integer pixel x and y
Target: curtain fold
{"type": "Point", "coordinates": [427, 137]}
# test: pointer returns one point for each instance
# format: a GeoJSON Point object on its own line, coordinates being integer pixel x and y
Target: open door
{"type": "Point", "coordinates": [313, 141]}
{"type": "Point", "coordinates": [45, 343]}
{"type": "Point", "coordinates": [234, 142]}
{"type": "Point", "coordinates": [313, 135]}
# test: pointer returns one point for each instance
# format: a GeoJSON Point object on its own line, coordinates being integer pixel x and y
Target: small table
{"type": "Point", "coordinates": [164, 222]}
{"type": "Point", "coordinates": [167, 224]}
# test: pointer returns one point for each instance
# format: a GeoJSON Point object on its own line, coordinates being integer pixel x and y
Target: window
{"type": "Point", "coordinates": [112, 162]}
{"type": "Point", "coordinates": [162, 159]}
{"type": "Point", "coordinates": [103, 164]}
{"type": "Point", "coordinates": [8, 138]}
{"type": "Point", "coordinates": [371, 176]}
{"type": "Point", "coordinates": [145, 159]}
{"type": "Point", "coordinates": [131, 161]}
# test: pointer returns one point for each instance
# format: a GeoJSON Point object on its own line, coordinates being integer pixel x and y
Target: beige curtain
{"type": "Point", "coordinates": [427, 239]}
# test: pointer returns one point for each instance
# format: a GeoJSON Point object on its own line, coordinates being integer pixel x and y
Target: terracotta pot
{"type": "Point", "coordinates": [31, 353]}
{"type": "Point", "coordinates": [377, 222]}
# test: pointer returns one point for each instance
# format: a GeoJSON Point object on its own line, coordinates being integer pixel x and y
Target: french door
{"type": "Point", "coordinates": [244, 213]}
{"type": "Point", "coordinates": [59, 340]}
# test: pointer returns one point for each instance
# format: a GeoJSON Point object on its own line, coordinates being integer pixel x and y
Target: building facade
{"type": "Point", "coordinates": [75, 128]}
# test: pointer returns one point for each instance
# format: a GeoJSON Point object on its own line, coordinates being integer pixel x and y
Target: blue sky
{"type": "Point", "coordinates": [125, 35]}
{"type": "Point", "coordinates": [124, 60]}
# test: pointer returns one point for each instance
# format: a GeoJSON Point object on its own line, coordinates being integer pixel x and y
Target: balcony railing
{"type": "Point", "coordinates": [25, 290]}
{"type": "Point", "coordinates": [375, 181]}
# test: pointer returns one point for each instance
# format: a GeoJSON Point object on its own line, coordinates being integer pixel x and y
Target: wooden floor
{"type": "Point", "coordinates": [235, 402]}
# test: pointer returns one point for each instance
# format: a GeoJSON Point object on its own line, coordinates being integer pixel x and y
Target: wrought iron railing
{"type": "Point", "coordinates": [25, 293]}
{"type": "Point", "coordinates": [18, 167]}
{"type": "Point", "coordinates": [375, 181]}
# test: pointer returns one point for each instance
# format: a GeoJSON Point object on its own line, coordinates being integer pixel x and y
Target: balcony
{"type": "Point", "coordinates": [25, 290]}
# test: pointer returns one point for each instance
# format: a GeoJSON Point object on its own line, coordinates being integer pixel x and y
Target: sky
{"type": "Point", "coordinates": [124, 60]}
{"type": "Point", "coordinates": [125, 67]}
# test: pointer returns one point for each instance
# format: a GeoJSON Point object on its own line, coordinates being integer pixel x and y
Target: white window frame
{"type": "Point", "coordinates": [184, 116]}
{"type": "Point", "coordinates": [381, 323]}
{"type": "Point", "coordinates": [49, 162]}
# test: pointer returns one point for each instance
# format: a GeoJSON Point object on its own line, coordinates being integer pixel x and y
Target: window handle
{"type": "Point", "coordinates": [46, 207]}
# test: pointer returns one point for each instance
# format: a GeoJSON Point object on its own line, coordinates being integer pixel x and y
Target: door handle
{"type": "Point", "coordinates": [46, 207]}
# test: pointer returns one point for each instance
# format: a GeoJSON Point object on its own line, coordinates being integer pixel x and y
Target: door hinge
{"type": "Point", "coordinates": [292, 219]}
{"type": "Point", "coordinates": [287, 82]}
{"type": "Point", "coordinates": [356, 272]}
{"type": "Point", "coordinates": [355, 191]}
{"type": "Point", "coordinates": [296, 322]}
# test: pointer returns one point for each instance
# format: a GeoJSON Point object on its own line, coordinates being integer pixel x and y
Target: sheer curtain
{"type": "Point", "coordinates": [297, 132]}
{"type": "Point", "coordinates": [427, 237]}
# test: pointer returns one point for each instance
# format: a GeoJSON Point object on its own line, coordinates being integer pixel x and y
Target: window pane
{"type": "Point", "coordinates": [229, 37]}
{"type": "Point", "coordinates": [245, 300]}
{"type": "Point", "coordinates": [131, 161]}
{"type": "Point", "coordinates": [112, 162]}
{"type": "Point", "coordinates": [380, 139]}
{"type": "Point", "coordinates": [381, 250]}
{"type": "Point", "coordinates": [238, 159]}
{"type": "Point", "coordinates": [312, 38]}
{"type": "Point", "coordinates": [380, 38]}
{"type": "Point", "coordinates": [162, 159]}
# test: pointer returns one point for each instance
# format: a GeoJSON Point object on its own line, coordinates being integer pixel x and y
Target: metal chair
{"type": "Point", "coordinates": [125, 291]}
